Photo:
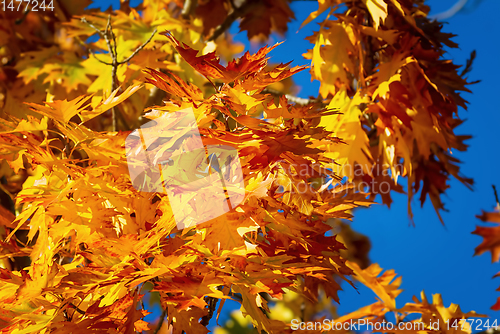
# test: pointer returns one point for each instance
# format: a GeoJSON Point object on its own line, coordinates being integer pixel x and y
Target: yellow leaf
{"type": "Point", "coordinates": [114, 293]}
{"type": "Point", "coordinates": [331, 55]}
{"type": "Point", "coordinates": [109, 103]}
{"type": "Point", "coordinates": [385, 286]}
{"type": "Point", "coordinates": [22, 125]}
{"type": "Point", "coordinates": [378, 11]}
{"type": "Point", "coordinates": [61, 111]}
{"type": "Point", "coordinates": [69, 71]}
{"type": "Point", "coordinates": [347, 126]}
{"type": "Point", "coordinates": [322, 6]}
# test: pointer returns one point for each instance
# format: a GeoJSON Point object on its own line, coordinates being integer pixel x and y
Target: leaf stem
{"type": "Point", "coordinates": [496, 195]}
{"type": "Point", "coordinates": [160, 322]}
{"type": "Point", "coordinates": [139, 48]}
{"type": "Point", "coordinates": [235, 14]}
{"type": "Point", "coordinates": [110, 38]}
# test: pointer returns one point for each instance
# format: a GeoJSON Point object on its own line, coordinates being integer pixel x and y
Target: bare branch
{"type": "Point", "coordinates": [237, 12]}
{"type": "Point", "coordinates": [496, 195]}
{"type": "Point", "coordinates": [84, 20]}
{"type": "Point", "coordinates": [99, 60]}
{"type": "Point", "coordinates": [292, 98]}
{"type": "Point", "coordinates": [188, 8]}
{"type": "Point", "coordinates": [300, 100]}
{"type": "Point", "coordinates": [212, 303]}
{"type": "Point", "coordinates": [139, 48]}
{"type": "Point", "coordinates": [77, 309]}
{"type": "Point", "coordinates": [160, 322]}
{"type": "Point", "coordinates": [114, 62]}
{"type": "Point", "coordinates": [110, 38]}
{"type": "Point", "coordinates": [107, 33]}
{"type": "Point", "coordinates": [468, 65]}
{"type": "Point", "coordinates": [114, 39]}
{"type": "Point", "coordinates": [450, 12]}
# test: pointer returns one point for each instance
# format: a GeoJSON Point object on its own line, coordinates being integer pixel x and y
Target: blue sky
{"type": "Point", "coordinates": [429, 256]}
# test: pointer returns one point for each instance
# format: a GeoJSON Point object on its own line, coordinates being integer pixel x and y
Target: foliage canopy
{"type": "Point", "coordinates": [81, 247]}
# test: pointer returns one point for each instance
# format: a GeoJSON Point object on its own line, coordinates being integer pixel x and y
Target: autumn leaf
{"type": "Point", "coordinates": [266, 17]}
{"type": "Point", "coordinates": [61, 111]}
{"type": "Point", "coordinates": [378, 11]}
{"type": "Point", "coordinates": [385, 286]}
{"type": "Point", "coordinates": [82, 245]}
{"type": "Point", "coordinates": [207, 65]}
{"type": "Point", "coordinates": [110, 102]}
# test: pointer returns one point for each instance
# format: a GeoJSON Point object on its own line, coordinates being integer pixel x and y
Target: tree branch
{"type": "Point", "coordinates": [99, 60]}
{"type": "Point", "coordinates": [84, 20]}
{"type": "Point", "coordinates": [212, 303]}
{"type": "Point", "coordinates": [188, 8]}
{"type": "Point", "coordinates": [496, 195]}
{"type": "Point", "coordinates": [235, 14]}
{"type": "Point", "coordinates": [160, 321]}
{"type": "Point", "coordinates": [292, 98]}
{"type": "Point", "coordinates": [110, 38]}
{"type": "Point", "coordinates": [468, 65]}
{"type": "Point", "coordinates": [77, 309]}
{"type": "Point", "coordinates": [138, 49]}
{"type": "Point", "coordinates": [114, 38]}
{"type": "Point", "coordinates": [450, 12]}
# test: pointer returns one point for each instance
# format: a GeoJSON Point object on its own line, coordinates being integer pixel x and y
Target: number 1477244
{"type": "Point", "coordinates": [473, 324]}
{"type": "Point", "coordinates": [25, 5]}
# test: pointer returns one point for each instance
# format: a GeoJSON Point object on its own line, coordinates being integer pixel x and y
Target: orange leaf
{"type": "Point", "coordinates": [61, 111]}
{"type": "Point", "coordinates": [174, 85]}
{"type": "Point", "coordinates": [491, 236]}
{"type": "Point", "coordinates": [208, 65]}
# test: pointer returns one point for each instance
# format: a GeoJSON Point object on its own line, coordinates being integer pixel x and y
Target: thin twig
{"type": "Point", "coordinates": [84, 20]}
{"type": "Point", "coordinates": [226, 122]}
{"type": "Point", "coordinates": [188, 8]}
{"type": "Point", "coordinates": [160, 323]}
{"type": "Point", "coordinates": [212, 303]}
{"type": "Point", "coordinates": [110, 48]}
{"type": "Point", "coordinates": [235, 14]}
{"type": "Point", "coordinates": [107, 33]}
{"type": "Point", "coordinates": [99, 60]}
{"type": "Point", "coordinates": [77, 309]}
{"type": "Point", "coordinates": [468, 65]}
{"type": "Point", "coordinates": [292, 98]}
{"type": "Point", "coordinates": [300, 100]}
{"type": "Point", "coordinates": [25, 13]}
{"type": "Point", "coordinates": [114, 63]}
{"type": "Point", "coordinates": [139, 48]}
{"type": "Point", "coordinates": [110, 38]}
{"type": "Point", "coordinates": [450, 12]}
{"type": "Point", "coordinates": [496, 195]}
{"type": "Point", "coordinates": [114, 41]}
